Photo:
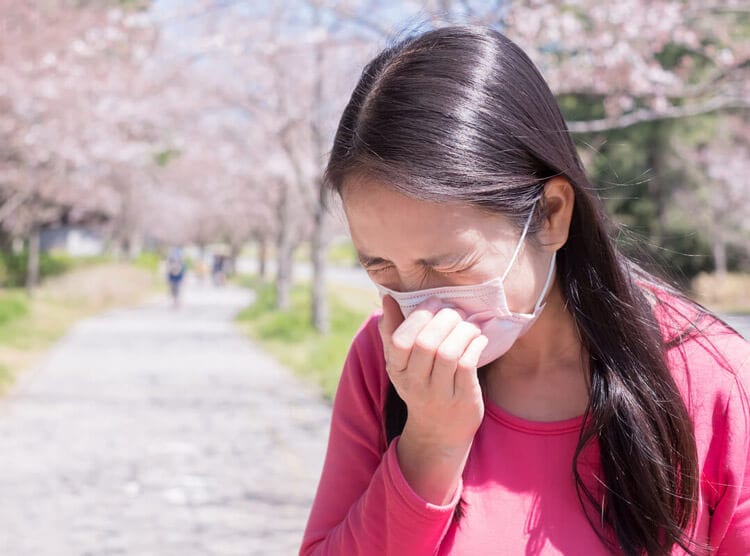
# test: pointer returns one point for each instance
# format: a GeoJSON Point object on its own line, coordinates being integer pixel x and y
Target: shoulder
{"type": "Point", "coordinates": [699, 337]}
{"type": "Point", "coordinates": [708, 360]}
{"type": "Point", "coordinates": [364, 371]}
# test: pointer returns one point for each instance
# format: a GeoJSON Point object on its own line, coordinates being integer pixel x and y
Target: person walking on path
{"type": "Point", "coordinates": [175, 275]}
{"type": "Point", "coordinates": [525, 388]}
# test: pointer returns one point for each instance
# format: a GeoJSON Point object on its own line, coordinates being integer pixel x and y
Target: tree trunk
{"type": "Point", "coordinates": [284, 249]}
{"type": "Point", "coordinates": [6, 241]}
{"type": "Point", "coordinates": [719, 249]}
{"type": "Point", "coordinates": [320, 319]}
{"type": "Point", "coordinates": [32, 272]}
{"type": "Point", "coordinates": [262, 256]}
{"type": "Point", "coordinates": [234, 254]}
{"type": "Point", "coordinates": [283, 277]}
{"type": "Point", "coordinates": [657, 184]}
{"type": "Point", "coordinates": [318, 243]}
{"type": "Point", "coordinates": [135, 245]}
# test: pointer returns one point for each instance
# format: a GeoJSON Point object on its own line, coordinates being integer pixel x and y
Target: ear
{"type": "Point", "coordinates": [559, 199]}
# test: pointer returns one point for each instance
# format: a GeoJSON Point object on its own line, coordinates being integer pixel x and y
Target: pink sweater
{"type": "Point", "coordinates": [518, 484]}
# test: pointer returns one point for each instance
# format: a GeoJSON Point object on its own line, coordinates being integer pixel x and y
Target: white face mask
{"type": "Point", "coordinates": [485, 305]}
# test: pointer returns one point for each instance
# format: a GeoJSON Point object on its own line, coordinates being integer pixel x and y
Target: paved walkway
{"type": "Point", "coordinates": [741, 323]}
{"type": "Point", "coordinates": [159, 432]}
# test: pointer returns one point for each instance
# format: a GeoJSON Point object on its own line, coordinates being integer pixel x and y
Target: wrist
{"type": "Point", "coordinates": [433, 442]}
{"type": "Point", "coordinates": [433, 470]}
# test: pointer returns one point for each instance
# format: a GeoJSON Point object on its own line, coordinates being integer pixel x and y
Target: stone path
{"type": "Point", "coordinates": [152, 431]}
{"type": "Point", "coordinates": [741, 323]}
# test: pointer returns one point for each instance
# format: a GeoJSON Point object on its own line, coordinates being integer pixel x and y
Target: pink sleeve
{"type": "Point", "coordinates": [730, 522]}
{"type": "Point", "coordinates": [363, 505]}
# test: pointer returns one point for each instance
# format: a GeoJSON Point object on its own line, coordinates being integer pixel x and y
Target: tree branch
{"type": "Point", "coordinates": [15, 201]}
{"type": "Point", "coordinates": [646, 115]}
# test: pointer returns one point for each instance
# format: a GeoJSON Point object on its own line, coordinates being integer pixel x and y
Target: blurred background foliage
{"type": "Point", "coordinates": [128, 127]}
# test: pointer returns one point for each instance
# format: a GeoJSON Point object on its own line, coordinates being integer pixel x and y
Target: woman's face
{"type": "Point", "coordinates": [407, 244]}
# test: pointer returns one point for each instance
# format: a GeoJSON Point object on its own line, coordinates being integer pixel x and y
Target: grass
{"type": "Point", "coordinates": [148, 260]}
{"type": "Point", "coordinates": [13, 305]}
{"type": "Point", "coordinates": [14, 266]}
{"type": "Point", "coordinates": [289, 336]}
{"type": "Point", "coordinates": [730, 294]}
{"type": "Point", "coordinates": [28, 326]}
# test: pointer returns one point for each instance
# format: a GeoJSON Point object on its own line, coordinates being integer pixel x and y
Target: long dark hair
{"type": "Point", "coordinates": [461, 114]}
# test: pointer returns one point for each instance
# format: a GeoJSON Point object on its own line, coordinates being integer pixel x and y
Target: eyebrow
{"type": "Point", "coordinates": [447, 259]}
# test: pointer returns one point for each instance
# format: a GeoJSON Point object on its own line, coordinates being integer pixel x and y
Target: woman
{"type": "Point", "coordinates": [526, 389]}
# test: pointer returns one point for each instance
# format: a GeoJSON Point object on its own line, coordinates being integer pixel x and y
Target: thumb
{"type": "Point", "coordinates": [392, 316]}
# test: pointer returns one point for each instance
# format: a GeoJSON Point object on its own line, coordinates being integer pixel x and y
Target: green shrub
{"type": "Point", "coordinates": [13, 305]}
{"type": "Point", "coordinates": [290, 336]}
{"type": "Point", "coordinates": [14, 266]}
{"type": "Point", "coordinates": [54, 264]}
{"type": "Point", "coordinates": [148, 260]}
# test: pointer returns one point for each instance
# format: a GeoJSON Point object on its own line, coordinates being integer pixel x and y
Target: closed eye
{"type": "Point", "coordinates": [376, 270]}
{"type": "Point", "coordinates": [456, 271]}
{"type": "Point", "coordinates": [377, 265]}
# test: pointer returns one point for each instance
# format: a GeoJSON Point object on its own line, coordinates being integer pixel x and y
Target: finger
{"type": "Point", "coordinates": [388, 323]}
{"type": "Point", "coordinates": [448, 354]}
{"type": "Point", "coordinates": [398, 344]}
{"type": "Point", "coordinates": [466, 379]}
{"type": "Point", "coordinates": [428, 341]}
{"type": "Point", "coordinates": [392, 316]}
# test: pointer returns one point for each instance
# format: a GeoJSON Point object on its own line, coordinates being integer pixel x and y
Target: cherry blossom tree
{"type": "Point", "coordinates": [718, 198]}
{"type": "Point", "coordinates": [47, 51]}
{"type": "Point", "coordinates": [209, 120]}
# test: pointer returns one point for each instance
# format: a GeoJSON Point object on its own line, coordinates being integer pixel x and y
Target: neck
{"type": "Point", "coordinates": [551, 344]}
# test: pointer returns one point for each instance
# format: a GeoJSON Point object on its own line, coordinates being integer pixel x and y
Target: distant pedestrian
{"type": "Point", "coordinates": [218, 269]}
{"type": "Point", "coordinates": [200, 269]}
{"type": "Point", "coordinates": [175, 274]}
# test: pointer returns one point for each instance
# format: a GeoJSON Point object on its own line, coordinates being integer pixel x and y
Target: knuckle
{"type": "Point", "coordinates": [467, 362]}
{"type": "Point", "coordinates": [400, 345]}
{"type": "Point", "coordinates": [399, 342]}
{"type": "Point", "coordinates": [392, 365]}
{"type": "Point", "coordinates": [471, 328]}
{"type": "Point", "coordinates": [447, 354]}
{"type": "Point", "coordinates": [449, 313]}
{"type": "Point", "coordinates": [392, 372]}
{"type": "Point", "coordinates": [425, 343]}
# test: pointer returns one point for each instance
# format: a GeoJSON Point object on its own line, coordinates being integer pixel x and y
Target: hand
{"type": "Point", "coordinates": [431, 359]}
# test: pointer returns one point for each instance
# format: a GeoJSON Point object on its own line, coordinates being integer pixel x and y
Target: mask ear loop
{"type": "Point", "coordinates": [519, 244]}
{"type": "Point", "coordinates": [550, 273]}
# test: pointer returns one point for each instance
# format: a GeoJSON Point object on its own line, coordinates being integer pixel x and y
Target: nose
{"type": "Point", "coordinates": [412, 281]}
{"type": "Point", "coordinates": [414, 284]}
